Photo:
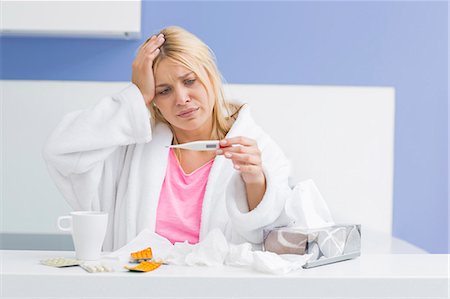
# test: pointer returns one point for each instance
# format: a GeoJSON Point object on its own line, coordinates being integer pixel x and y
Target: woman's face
{"type": "Point", "coordinates": [182, 98]}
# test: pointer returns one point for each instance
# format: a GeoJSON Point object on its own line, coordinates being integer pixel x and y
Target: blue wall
{"type": "Point", "coordinates": [400, 44]}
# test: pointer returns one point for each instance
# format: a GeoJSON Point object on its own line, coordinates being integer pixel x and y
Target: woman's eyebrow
{"type": "Point", "coordinates": [161, 85]}
{"type": "Point", "coordinates": [185, 75]}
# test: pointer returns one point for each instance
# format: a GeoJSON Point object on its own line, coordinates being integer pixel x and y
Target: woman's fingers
{"type": "Point", "coordinates": [153, 44]}
{"type": "Point", "coordinates": [151, 41]}
{"type": "Point", "coordinates": [150, 50]}
{"type": "Point", "coordinates": [147, 42]}
{"type": "Point", "coordinates": [239, 144]}
{"type": "Point", "coordinates": [144, 62]}
{"type": "Point", "coordinates": [150, 57]}
{"type": "Point", "coordinates": [242, 151]}
{"type": "Point", "coordinates": [243, 158]}
{"type": "Point", "coordinates": [237, 140]}
{"type": "Point", "coordinates": [250, 169]}
{"type": "Point", "coordinates": [239, 149]}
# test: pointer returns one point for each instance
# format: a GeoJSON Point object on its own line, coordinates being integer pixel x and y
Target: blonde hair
{"type": "Point", "coordinates": [189, 51]}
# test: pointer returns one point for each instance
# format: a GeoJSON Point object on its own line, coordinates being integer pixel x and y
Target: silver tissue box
{"type": "Point", "coordinates": [326, 245]}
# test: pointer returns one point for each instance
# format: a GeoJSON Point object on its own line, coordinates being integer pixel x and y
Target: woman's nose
{"type": "Point", "coordinates": [182, 97]}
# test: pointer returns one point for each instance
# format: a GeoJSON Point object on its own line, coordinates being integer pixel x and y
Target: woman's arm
{"type": "Point", "coordinates": [85, 153]}
{"type": "Point", "coordinates": [84, 138]}
{"type": "Point", "coordinates": [249, 224]}
{"type": "Point", "coordinates": [255, 193]}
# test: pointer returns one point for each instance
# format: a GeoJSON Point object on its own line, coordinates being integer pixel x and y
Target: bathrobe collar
{"type": "Point", "coordinates": [154, 164]}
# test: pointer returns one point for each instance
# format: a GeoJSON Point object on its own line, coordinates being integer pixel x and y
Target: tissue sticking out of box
{"type": "Point", "coordinates": [325, 245]}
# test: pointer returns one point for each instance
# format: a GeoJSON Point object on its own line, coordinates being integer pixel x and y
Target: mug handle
{"type": "Point", "coordinates": [66, 229]}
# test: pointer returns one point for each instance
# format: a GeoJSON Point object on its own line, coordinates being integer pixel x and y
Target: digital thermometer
{"type": "Point", "coordinates": [201, 145]}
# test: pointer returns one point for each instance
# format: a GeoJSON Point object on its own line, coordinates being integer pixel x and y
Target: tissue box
{"type": "Point", "coordinates": [326, 245]}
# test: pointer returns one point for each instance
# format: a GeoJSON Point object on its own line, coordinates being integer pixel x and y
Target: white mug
{"type": "Point", "coordinates": [88, 232]}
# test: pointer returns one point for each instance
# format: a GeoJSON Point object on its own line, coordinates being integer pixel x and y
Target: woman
{"type": "Point", "coordinates": [114, 158]}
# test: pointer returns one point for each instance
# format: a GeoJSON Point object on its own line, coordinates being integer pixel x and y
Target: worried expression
{"type": "Point", "coordinates": [181, 97]}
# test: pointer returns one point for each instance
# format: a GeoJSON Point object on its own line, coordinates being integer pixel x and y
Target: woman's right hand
{"type": "Point", "coordinates": [142, 67]}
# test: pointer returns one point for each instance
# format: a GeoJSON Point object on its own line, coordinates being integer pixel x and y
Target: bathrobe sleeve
{"type": "Point", "coordinates": [271, 210]}
{"type": "Point", "coordinates": [86, 151]}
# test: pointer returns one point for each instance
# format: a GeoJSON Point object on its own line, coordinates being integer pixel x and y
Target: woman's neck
{"type": "Point", "coordinates": [183, 136]}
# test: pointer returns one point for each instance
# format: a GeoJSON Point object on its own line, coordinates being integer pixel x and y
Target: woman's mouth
{"type": "Point", "coordinates": [188, 112]}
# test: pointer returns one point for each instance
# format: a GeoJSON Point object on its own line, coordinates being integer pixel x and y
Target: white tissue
{"type": "Point", "coordinates": [146, 238]}
{"type": "Point", "coordinates": [307, 207]}
{"type": "Point", "coordinates": [239, 255]}
{"type": "Point", "coordinates": [272, 263]}
{"type": "Point", "coordinates": [214, 250]}
{"type": "Point", "coordinates": [176, 255]}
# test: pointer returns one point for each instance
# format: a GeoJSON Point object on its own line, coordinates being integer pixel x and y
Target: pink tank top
{"type": "Point", "coordinates": [179, 210]}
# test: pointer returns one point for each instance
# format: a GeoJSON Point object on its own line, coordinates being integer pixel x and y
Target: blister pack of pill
{"type": "Point", "coordinates": [144, 255]}
{"type": "Point", "coordinates": [60, 262]}
{"type": "Point", "coordinates": [144, 267]}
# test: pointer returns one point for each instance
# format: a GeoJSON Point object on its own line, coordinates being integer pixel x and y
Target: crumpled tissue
{"type": "Point", "coordinates": [144, 239]}
{"type": "Point", "coordinates": [214, 250]}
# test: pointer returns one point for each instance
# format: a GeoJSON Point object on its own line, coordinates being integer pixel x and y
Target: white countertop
{"type": "Point", "coordinates": [368, 276]}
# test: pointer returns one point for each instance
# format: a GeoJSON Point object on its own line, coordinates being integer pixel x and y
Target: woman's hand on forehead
{"type": "Point", "coordinates": [142, 67]}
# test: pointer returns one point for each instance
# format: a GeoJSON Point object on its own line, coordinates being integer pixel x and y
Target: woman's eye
{"type": "Point", "coordinates": [164, 91]}
{"type": "Point", "coordinates": [189, 81]}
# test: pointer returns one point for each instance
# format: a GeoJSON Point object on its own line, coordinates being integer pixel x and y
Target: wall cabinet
{"type": "Point", "coordinates": [96, 19]}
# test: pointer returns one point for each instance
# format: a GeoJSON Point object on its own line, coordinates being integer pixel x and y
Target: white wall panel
{"type": "Point", "coordinates": [342, 137]}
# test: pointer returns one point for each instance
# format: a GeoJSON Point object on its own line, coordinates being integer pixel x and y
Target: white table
{"type": "Point", "coordinates": [369, 276]}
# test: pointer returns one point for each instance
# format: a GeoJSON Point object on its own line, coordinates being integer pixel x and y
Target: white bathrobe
{"type": "Point", "coordinates": [113, 158]}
